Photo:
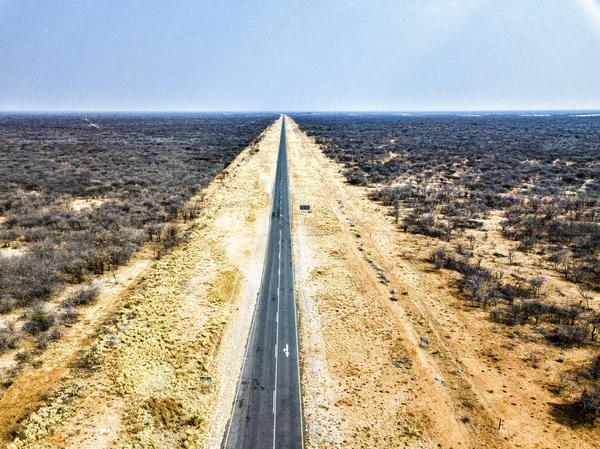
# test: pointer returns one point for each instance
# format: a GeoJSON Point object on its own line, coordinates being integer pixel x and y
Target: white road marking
{"type": "Point", "coordinates": [286, 350]}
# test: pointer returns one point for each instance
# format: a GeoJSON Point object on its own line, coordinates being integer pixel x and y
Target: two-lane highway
{"type": "Point", "coordinates": [267, 412]}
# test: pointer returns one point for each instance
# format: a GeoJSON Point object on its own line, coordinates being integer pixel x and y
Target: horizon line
{"type": "Point", "coordinates": [316, 111]}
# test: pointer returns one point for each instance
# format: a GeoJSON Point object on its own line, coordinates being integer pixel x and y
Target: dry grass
{"type": "Point", "coordinates": [166, 411]}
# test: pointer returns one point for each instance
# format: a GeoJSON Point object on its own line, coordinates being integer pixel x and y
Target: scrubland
{"type": "Point", "coordinates": [127, 373]}
{"type": "Point", "coordinates": [428, 318]}
{"type": "Point", "coordinates": [80, 195]}
{"type": "Point", "coordinates": [446, 278]}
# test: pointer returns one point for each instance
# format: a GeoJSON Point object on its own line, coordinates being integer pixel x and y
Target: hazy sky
{"type": "Point", "coordinates": [291, 55]}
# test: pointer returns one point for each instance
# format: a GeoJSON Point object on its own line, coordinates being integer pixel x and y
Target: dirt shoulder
{"type": "Point", "coordinates": [392, 356]}
{"type": "Point", "coordinates": [135, 380]}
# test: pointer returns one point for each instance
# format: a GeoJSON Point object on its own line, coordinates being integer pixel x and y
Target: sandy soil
{"type": "Point", "coordinates": [410, 364]}
{"type": "Point", "coordinates": [78, 204]}
{"type": "Point", "coordinates": [11, 252]}
{"type": "Point", "coordinates": [135, 380]}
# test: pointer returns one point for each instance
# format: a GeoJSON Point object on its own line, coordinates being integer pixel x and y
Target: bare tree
{"type": "Point", "coordinates": [472, 239]}
{"type": "Point", "coordinates": [511, 256]}
{"type": "Point", "coordinates": [594, 321]}
{"type": "Point", "coordinates": [586, 293]}
{"type": "Point", "coordinates": [536, 283]}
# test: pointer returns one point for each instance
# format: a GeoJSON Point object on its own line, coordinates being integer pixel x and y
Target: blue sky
{"type": "Point", "coordinates": [198, 55]}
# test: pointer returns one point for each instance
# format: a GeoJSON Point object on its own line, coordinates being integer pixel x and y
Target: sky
{"type": "Point", "coordinates": [299, 55]}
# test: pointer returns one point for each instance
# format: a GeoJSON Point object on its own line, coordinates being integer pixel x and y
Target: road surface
{"type": "Point", "coordinates": [267, 411]}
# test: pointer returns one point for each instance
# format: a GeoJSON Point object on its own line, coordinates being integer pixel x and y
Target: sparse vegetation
{"type": "Point", "coordinates": [450, 172]}
{"type": "Point", "coordinates": [77, 202]}
{"type": "Point", "coordinates": [595, 368]}
{"type": "Point", "coordinates": [88, 359]}
{"type": "Point", "coordinates": [129, 177]}
{"type": "Point", "coordinates": [537, 179]}
{"type": "Point", "coordinates": [168, 238]}
{"type": "Point", "coordinates": [9, 337]}
{"type": "Point", "coordinates": [166, 411]}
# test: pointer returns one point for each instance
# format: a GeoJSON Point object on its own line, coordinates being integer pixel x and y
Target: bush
{"type": "Point", "coordinates": [9, 338]}
{"type": "Point", "coordinates": [595, 368]}
{"type": "Point", "coordinates": [88, 359]}
{"type": "Point", "coordinates": [28, 278]}
{"type": "Point", "coordinates": [169, 238]}
{"type": "Point", "coordinates": [38, 321]}
{"type": "Point", "coordinates": [443, 258]}
{"type": "Point", "coordinates": [357, 177]}
{"type": "Point", "coordinates": [568, 335]}
{"type": "Point", "coordinates": [82, 296]}
{"type": "Point", "coordinates": [24, 356]}
{"type": "Point", "coordinates": [535, 310]}
{"type": "Point", "coordinates": [478, 284]}
{"type": "Point", "coordinates": [510, 315]}
{"type": "Point", "coordinates": [45, 338]}
{"type": "Point", "coordinates": [68, 315]}
{"type": "Point", "coordinates": [7, 304]}
{"type": "Point", "coordinates": [588, 405]}
{"type": "Point", "coordinates": [499, 315]}
{"type": "Point", "coordinates": [439, 258]}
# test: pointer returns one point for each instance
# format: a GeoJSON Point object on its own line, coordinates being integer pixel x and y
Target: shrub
{"type": "Point", "coordinates": [169, 238]}
{"type": "Point", "coordinates": [82, 296]}
{"type": "Point", "coordinates": [535, 309]}
{"type": "Point", "coordinates": [24, 356]}
{"type": "Point", "coordinates": [595, 368]}
{"type": "Point", "coordinates": [499, 315]}
{"type": "Point", "coordinates": [76, 270]}
{"type": "Point", "coordinates": [439, 258]}
{"type": "Point", "coordinates": [568, 335]}
{"type": "Point", "coordinates": [88, 359]}
{"type": "Point", "coordinates": [38, 321]}
{"type": "Point", "coordinates": [588, 405]}
{"type": "Point", "coordinates": [443, 258]}
{"type": "Point", "coordinates": [9, 338]}
{"type": "Point", "coordinates": [28, 278]}
{"type": "Point", "coordinates": [68, 315]}
{"type": "Point", "coordinates": [478, 285]}
{"type": "Point", "coordinates": [7, 304]}
{"type": "Point", "coordinates": [45, 338]}
{"type": "Point", "coordinates": [356, 176]}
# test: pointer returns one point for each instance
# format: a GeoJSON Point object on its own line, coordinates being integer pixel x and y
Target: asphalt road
{"type": "Point", "coordinates": [267, 412]}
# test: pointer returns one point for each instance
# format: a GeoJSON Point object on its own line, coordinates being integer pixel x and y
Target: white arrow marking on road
{"type": "Point", "coordinates": [287, 351]}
